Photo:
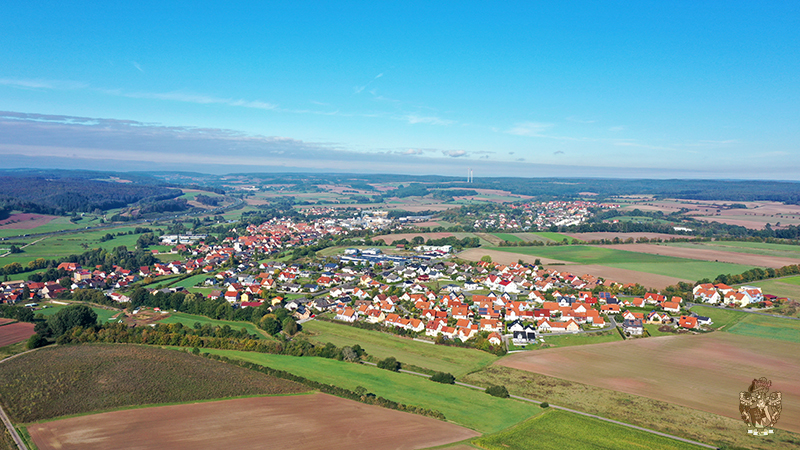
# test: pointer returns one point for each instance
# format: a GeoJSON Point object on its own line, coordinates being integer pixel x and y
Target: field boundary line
{"type": "Point", "coordinates": [11, 430]}
{"type": "Point", "coordinates": [562, 408]}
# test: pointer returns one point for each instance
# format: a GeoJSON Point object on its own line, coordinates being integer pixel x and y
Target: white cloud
{"type": "Point", "coordinates": [412, 119]}
{"type": "Point", "coordinates": [138, 67]}
{"type": "Point", "coordinates": [454, 153]}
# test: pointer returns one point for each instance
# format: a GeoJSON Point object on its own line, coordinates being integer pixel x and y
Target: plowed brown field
{"type": "Point", "coordinates": [705, 254]}
{"type": "Point", "coordinates": [25, 221]}
{"type": "Point", "coordinates": [704, 372]}
{"type": "Point", "coordinates": [316, 421]}
{"type": "Point", "coordinates": [15, 332]}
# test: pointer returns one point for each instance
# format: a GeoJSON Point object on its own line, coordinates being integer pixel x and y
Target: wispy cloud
{"type": "Point", "coordinates": [193, 98]}
{"type": "Point", "coordinates": [638, 145]}
{"type": "Point", "coordinates": [360, 89]}
{"type": "Point", "coordinates": [412, 119]}
{"type": "Point", "coordinates": [138, 67]}
{"type": "Point", "coordinates": [579, 120]}
{"type": "Point", "coordinates": [42, 84]}
{"type": "Point", "coordinates": [454, 153]}
{"type": "Point", "coordinates": [533, 129]}
{"type": "Point", "coordinates": [558, 152]}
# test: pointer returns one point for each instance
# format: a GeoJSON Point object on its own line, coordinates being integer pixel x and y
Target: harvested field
{"type": "Point", "coordinates": [707, 254]}
{"type": "Point", "coordinates": [316, 421]}
{"type": "Point", "coordinates": [704, 372]}
{"type": "Point", "coordinates": [4, 321]}
{"type": "Point", "coordinates": [25, 221]}
{"type": "Point", "coordinates": [62, 380]}
{"type": "Point", "coordinates": [623, 236]}
{"type": "Point", "coordinates": [389, 238]}
{"type": "Point", "coordinates": [15, 332]}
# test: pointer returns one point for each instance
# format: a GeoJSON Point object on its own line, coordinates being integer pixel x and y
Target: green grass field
{"type": "Point", "coordinates": [756, 325]}
{"type": "Point", "coordinates": [57, 224]}
{"type": "Point", "coordinates": [688, 269]}
{"type": "Point", "coordinates": [722, 318]}
{"type": "Point", "coordinates": [464, 406]}
{"type": "Point", "coordinates": [508, 237]}
{"type": "Point", "coordinates": [455, 360]}
{"type": "Point", "coordinates": [192, 281]}
{"type": "Point", "coordinates": [578, 339]}
{"type": "Point", "coordinates": [102, 314]}
{"type": "Point", "coordinates": [190, 319]}
{"type": "Point", "coordinates": [756, 248]}
{"type": "Point", "coordinates": [788, 287]}
{"type": "Point", "coordinates": [558, 237]}
{"type": "Point", "coordinates": [560, 429]}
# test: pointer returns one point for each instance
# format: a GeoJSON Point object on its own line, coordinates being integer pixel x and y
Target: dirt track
{"type": "Point", "coordinates": [705, 254]}
{"type": "Point", "coordinates": [704, 372]}
{"type": "Point", "coordinates": [315, 421]}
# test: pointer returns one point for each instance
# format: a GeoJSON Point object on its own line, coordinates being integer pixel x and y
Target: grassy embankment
{"type": "Point", "coordinates": [464, 406]}
{"type": "Point", "coordinates": [455, 360]}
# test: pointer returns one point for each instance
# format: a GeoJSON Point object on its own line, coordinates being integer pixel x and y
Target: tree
{"type": "Point", "coordinates": [497, 391]}
{"type": "Point", "coordinates": [36, 341]}
{"type": "Point", "coordinates": [290, 326]}
{"type": "Point", "coordinates": [70, 317]}
{"type": "Point", "coordinates": [486, 258]}
{"type": "Point", "coordinates": [349, 355]}
{"type": "Point", "coordinates": [270, 325]}
{"type": "Point", "coordinates": [389, 363]}
{"type": "Point", "coordinates": [443, 377]}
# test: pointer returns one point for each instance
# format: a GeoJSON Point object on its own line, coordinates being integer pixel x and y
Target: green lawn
{"type": "Point", "coordinates": [569, 340]}
{"type": "Point", "coordinates": [722, 318]}
{"type": "Point", "coordinates": [688, 269]}
{"type": "Point", "coordinates": [191, 281]}
{"type": "Point", "coordinates": [559, 430]}
{"type": "Point", "coordinates": [190, 319]}
{"type": "Point", "coordinates": [756, 325]}
{"type": "Point", "coordinates": [508, 237]}
{"type": "Point", "coordinates": [102, 314]}
{"type": "Point", "coordinates": [455, 360]}
{"type": "Point", "coordinates": [468, 407]}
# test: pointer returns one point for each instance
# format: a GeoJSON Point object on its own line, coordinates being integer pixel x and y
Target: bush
{"type": "Point", "coordinates": [497, 391]}
{"type": "Point", "coordinates": [36, 341]}
{"type": "Point", "coordinates": [443, 377]}
{"type": "Point", "coordinates": [389, 363]}
{"type": "Point", "coordinates": [544, 405]}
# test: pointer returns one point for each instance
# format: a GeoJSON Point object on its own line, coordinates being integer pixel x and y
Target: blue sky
{"type": "Point", "coordinates": [685, 89]}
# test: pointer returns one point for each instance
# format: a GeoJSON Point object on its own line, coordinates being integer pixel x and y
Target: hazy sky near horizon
{"type": "Point", "coordinates": [656, 89]}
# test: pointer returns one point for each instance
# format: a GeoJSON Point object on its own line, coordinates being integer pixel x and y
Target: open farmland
{"type": "Point", "coordinates": [25, 221]}
{"type": "Point", "coordinates": [682, 268]}
{"type": "Point", "coordinates": [558, 430]}
{"type": "Point", "coordinates": [455, 360]}
{"type": "Point", "coordinates": [464, 406]}
{"type": "Point", "coordinates": [756, 325]}
{"type": "Point", "coordinates": [315, 421]}
{"type": "Point", "coordinates": [782, 287]}
{"type": "Point", "coordinates": [15, 332]}
{"type": "Point", "coordinates": [755, 248]}
{"type": "Point", "coordinates": [707, 254]}
{"type": "Point", "coordinates": [389, 238]}
{"type": "Point", "coordinates": [704, 372]}
{"type": "Point", "coordinates": [64, 380]}
{"type": "Point", "coordinates": [596, 236]}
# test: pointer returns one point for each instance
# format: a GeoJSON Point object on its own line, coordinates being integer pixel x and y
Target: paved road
{"type": "Point", "coordinates": [605, 419]}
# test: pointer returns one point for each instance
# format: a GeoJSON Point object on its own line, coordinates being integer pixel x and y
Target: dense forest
{"type": "Point", "coordinates": [59, 196]}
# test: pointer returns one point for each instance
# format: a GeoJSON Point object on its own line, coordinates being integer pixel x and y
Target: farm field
{"type": "Point", "coordinates": [782, 287]}
{"type": "Point", "coordinates": [455, 360]}
{"type": "Point", "coordinates": [470, 408]}
{"type": "Point", "coordinates": [755, 325]}
{"type": "Point", "coordinates": [103, 315]}
{"type": "Point", "coordinates": [682, 268]}
{"type": "Point", "coordinates": [707, 253]}
{"type": "Point", "coordinates": [568, 340]}
{"type": "Point", "coordinates": [508, 237]}
{"type": "Point", "coordinates": [15, 332]}
{"type": "Point", "coordinates": [722, 318]}
{"type": "Point", "coordinates": [558, 430]}
{"type": "Point", "coordinates": [596, 236]}
{"type": "Point", "coordinates": [661, 416]}
{"type": "Point", "coordinates": [757, 248]}
{"type": "Point", "coordinates": [45, 225]}
{"type": "Point", "coordinates": [190, 319]}
{"type": "Point", "coordinates": [314, 421]}
{"type": "Point", "coordinates": [64, 380]}
{"type": "Point", "coordinates": [701, 372]}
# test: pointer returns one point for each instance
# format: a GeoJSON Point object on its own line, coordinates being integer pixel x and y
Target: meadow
{"type": "Point", "coordinates": [788, 287]}
{"type": "Point", "coordinates": [557, 430]}
{"type": "Point", "coordinates": [568, 340]}
{"type": "Point", "coordinates": [756, 248]}
{"type": "Point", "coordinates": [467, 407]}
{"type": "Point", "coordinates": [668, 417]}
{"type": "Point", "coordinates": [683, 268]}
{"type": "Point", "coordinates": [190, 319]}
{"type": "Point", "coordinates": [103, 315]}
{"type": "Point", "coordinates": [64, 380]}
{"type": "Point", "coordinates": [756, 325]}
{"type": "Point", "coordinates": [722, 318]}
{"type": "Point", "coordinates": [455, 360]}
